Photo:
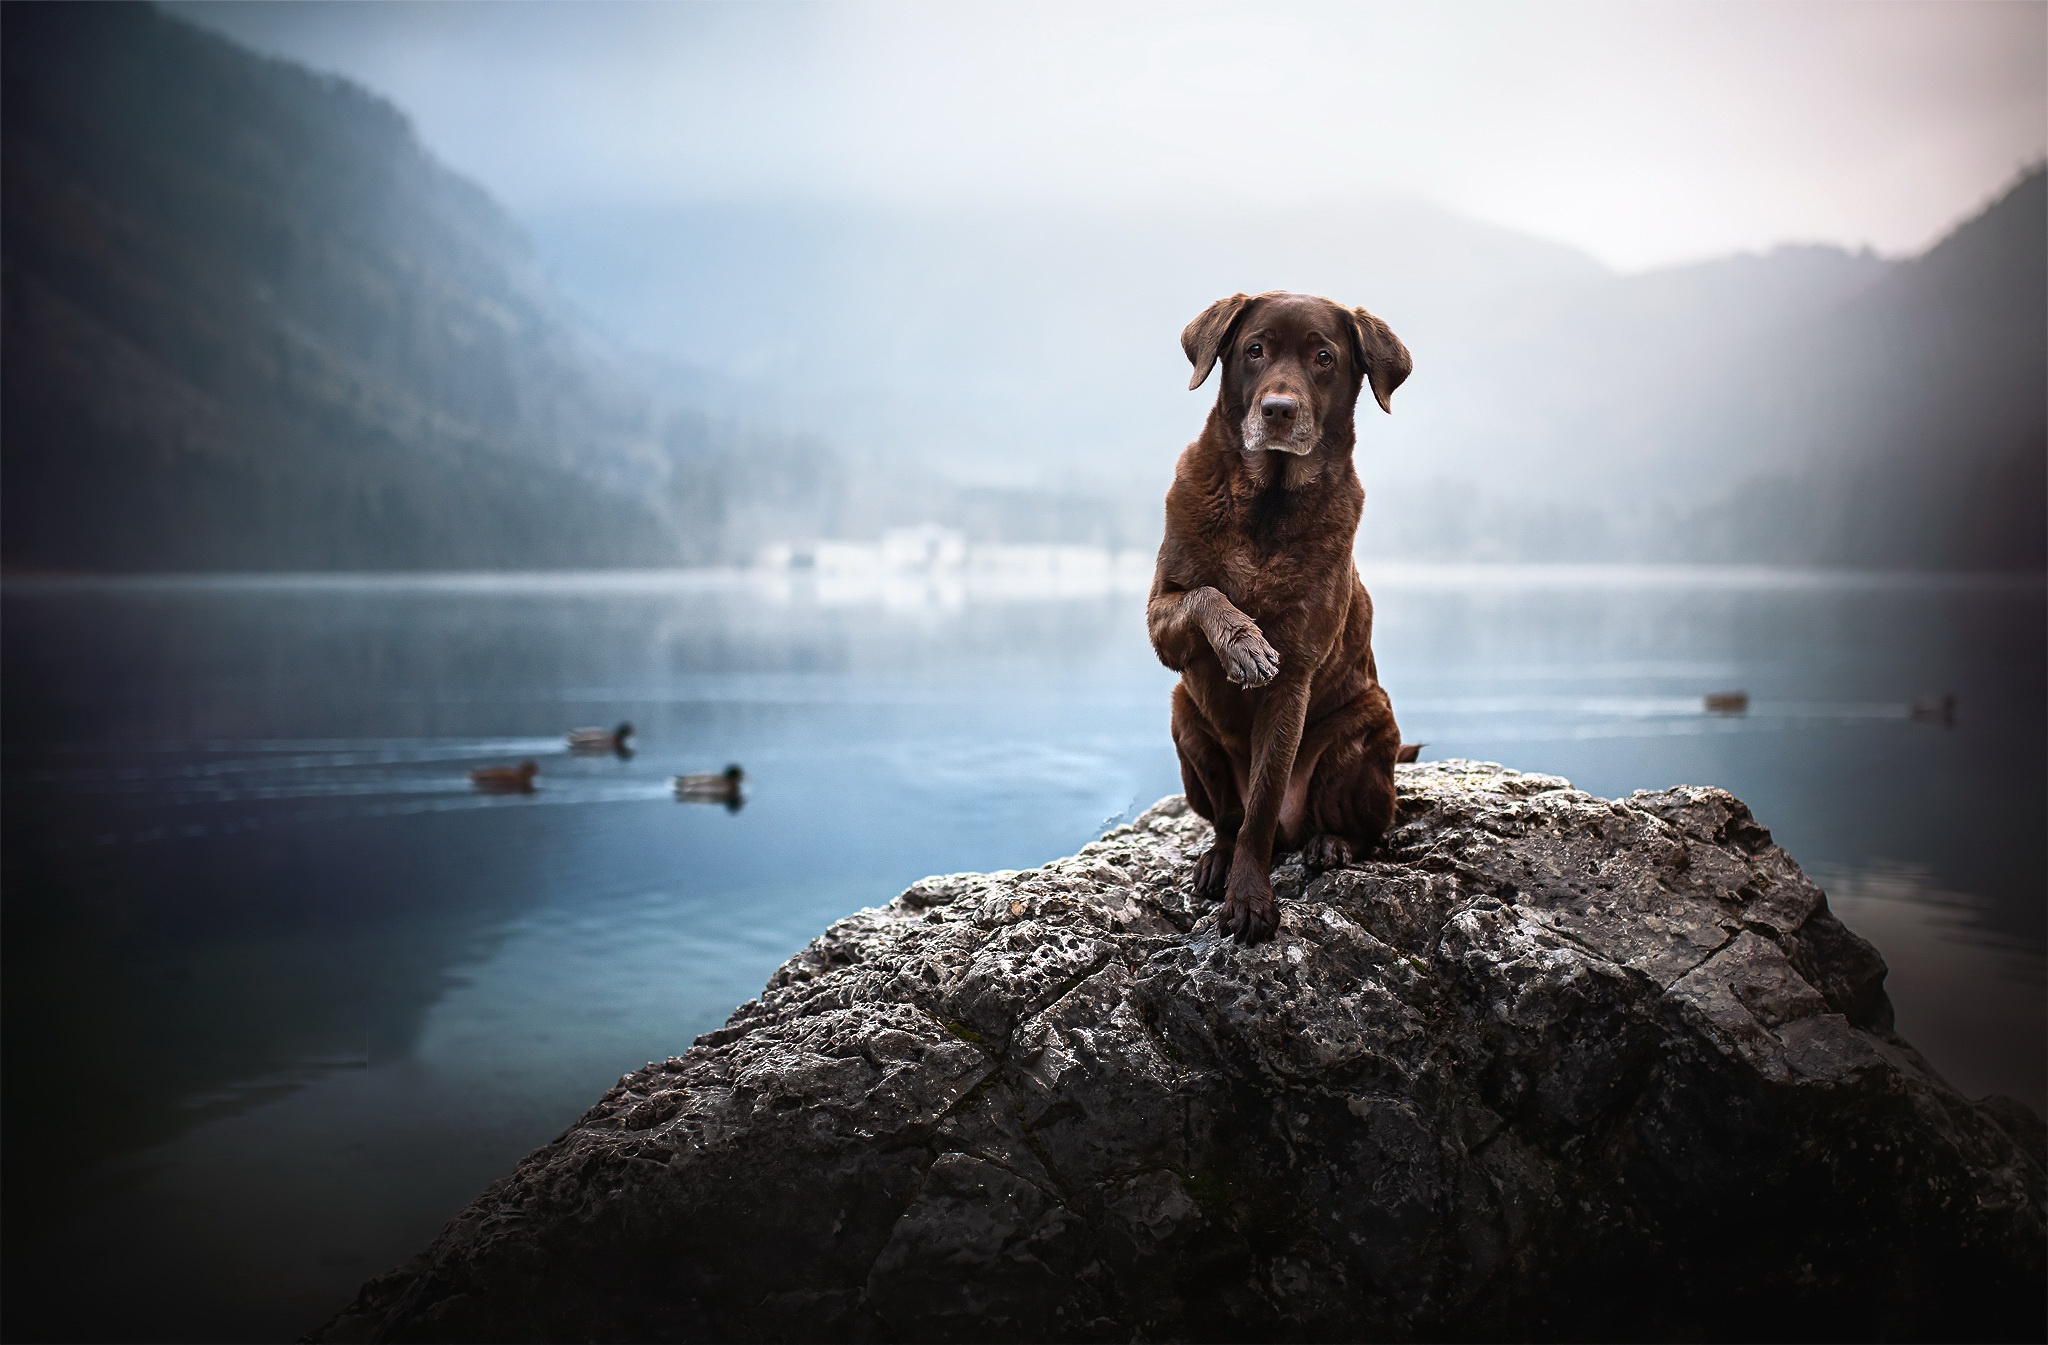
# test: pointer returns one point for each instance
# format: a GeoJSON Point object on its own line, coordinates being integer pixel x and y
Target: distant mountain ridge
{"type": "Point", "coordinates": [250, 323]}
{"type": "Point", "coordinates": [1808, 406]}
{"type": "Point", "coordinates": [1559, 411]}
{"type": "Point", "coordinates": [1027, 345]}
{"type": "Point", "coordinates": [1912, 419]}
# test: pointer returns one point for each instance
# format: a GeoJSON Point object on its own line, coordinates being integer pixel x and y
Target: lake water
{"type": "Point", "coordinates": [282, 993]}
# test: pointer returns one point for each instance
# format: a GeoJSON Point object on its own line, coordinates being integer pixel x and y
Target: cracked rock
{"type": "Point", "coordinates": [1545, 1066]}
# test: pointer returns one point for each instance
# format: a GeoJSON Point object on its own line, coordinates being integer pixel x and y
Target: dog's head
{"type": "Point", "coordinates": [1292, 364]}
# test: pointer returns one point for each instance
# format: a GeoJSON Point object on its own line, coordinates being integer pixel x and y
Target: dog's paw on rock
{"type": "Point", "coordinates": [1326, 852]}
{"type": "Point", "coordinates": [1249, 917]}
{"type": "Point", "coordinates": [1210, 871]}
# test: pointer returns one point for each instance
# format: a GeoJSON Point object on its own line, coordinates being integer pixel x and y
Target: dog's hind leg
{"type": "Point", "coordinates": [1211, 785]}
{"type": "Point", "coordinates": [1351, 797]}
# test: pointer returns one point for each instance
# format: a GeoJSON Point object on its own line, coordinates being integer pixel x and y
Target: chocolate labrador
{"type": "Point", "coordinates": [1281, 724]}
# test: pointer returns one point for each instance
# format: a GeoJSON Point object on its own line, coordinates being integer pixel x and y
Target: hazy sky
{"type": "Point", "coordinates": [1643, 133]}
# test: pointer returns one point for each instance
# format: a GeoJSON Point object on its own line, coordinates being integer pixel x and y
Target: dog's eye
{"type": "Point", "coordinates": [1324, 357]}
{"type": "Point", "coordinates": [1255, 350]}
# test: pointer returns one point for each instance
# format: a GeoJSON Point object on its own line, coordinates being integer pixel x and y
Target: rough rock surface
{"type": "Point", "coordinates": [1548, 1066]}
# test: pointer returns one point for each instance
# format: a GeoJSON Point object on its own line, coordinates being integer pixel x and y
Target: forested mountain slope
{"type": "Point", "coordinates": [251, 323]}
{"type": "Point", "coordinates": [1911, 422]}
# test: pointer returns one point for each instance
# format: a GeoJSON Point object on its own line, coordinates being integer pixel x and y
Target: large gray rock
{"type": "Point", "coordinates": [1549, 1066]}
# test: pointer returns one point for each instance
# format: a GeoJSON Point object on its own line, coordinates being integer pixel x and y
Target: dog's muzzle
{"type": "Point", "coordinates": [1279, 423]}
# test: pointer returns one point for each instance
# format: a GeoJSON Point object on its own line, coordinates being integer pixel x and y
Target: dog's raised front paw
{"type": "Point", "coordinates": [1210, 871]}
{"type": "Point", "coordinates": [1250, 916]}
{"type": "Point", "coordinates": [1247, 659]}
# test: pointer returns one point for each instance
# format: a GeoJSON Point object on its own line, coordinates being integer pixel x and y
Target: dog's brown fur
{"type": "Point", "coordinates": [1281, 724]}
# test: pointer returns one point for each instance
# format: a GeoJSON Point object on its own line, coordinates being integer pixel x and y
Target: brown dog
{"type": "Point", "coordinates": [1279, 718]}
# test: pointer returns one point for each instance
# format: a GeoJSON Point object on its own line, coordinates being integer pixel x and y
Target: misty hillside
{"type": "Point", "coordinates": [1558, 411]}
{"type": "Point", "coordinates": [1023, 345]}
{"type": "Point", "coordinates": [1909, 425]}
{"type": "Point", "coordinates": [250, 323]}
{"type": "Point", "coordinates": [1809, 406]}
{"type": "Point", "coordinates": [1049, 343]}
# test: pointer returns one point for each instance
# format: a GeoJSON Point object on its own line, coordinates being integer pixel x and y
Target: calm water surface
{"type": "Point", "coordinates": [282, 993]}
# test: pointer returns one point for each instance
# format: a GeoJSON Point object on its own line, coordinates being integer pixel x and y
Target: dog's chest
{"type": "Point", "coordinates": [1257, 583]}
{"type": "Point", "coordinates": [1272, 535]}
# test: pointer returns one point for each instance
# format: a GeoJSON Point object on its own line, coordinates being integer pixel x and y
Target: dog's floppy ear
{"type": "Point", "coordinates": [1203, 338]}
{"type": "Point", "coordinates": [1386, 360]}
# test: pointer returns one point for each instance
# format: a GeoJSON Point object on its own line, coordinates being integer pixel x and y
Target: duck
{"type": "Point", "coordinates": [1727, 702]}
{"type": "Point", "coordinates": [724, 787]}
{"type": "Point", "coordinates": [505, 779]}
{"type": "Point", "coordinates": [595, 740]}
{"type": "Point", "coordinates": [1933, 710]}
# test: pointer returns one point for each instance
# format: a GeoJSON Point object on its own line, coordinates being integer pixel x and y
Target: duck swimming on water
{"type": "Point", "coordinates": [1933, 710]}
{"type": "Point", "coordinates": [505, 779]}
{"type": "Point", "coordinates": [724, 787]}
{"type": "Point", "coordinates": [595, 740]}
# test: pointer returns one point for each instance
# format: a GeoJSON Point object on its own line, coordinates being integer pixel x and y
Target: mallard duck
{"type": "Point", "coordinates": [505, 779]}
{"type": "Point", "coordinates": [723, 787]}
{"type": "Point", "coordinates": [594, 740]}
{"type": "Point", "coordinates": [1728, 702]}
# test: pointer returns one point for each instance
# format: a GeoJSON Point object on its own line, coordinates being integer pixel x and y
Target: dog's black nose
{"type": "Point", "coordinates": [1276, 410]}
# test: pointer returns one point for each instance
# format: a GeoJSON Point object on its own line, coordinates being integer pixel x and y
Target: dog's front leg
{"type": "Point", "coordinates": [1174, 617]}
{"type": "Point", "coordinates": [1249, 910]}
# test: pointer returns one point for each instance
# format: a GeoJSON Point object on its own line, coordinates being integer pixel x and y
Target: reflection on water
{"type": "Point", "coordinates": [283, 990]}
{"type": "Point", "coordinates": [1967, 992]}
